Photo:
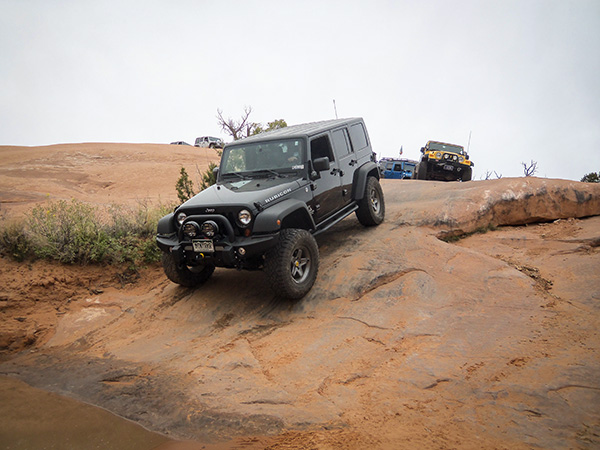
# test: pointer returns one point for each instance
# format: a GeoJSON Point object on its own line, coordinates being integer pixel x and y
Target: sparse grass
{"type": "Point", "coordinates": [78, 233]}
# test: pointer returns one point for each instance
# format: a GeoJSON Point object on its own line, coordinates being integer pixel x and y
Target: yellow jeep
{"type": "Point", "coordinates": [445, 162]}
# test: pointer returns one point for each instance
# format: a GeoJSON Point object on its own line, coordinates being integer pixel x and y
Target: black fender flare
{"type": "Point", "coordinates": [166, 225]}
{"type": "Point", "coordinates": [359, 183]}
{"type": "Point", "coordinates": [266, 221]}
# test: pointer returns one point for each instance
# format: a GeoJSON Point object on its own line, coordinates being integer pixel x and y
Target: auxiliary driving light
{"type": "Point", "coordinates": [209, 229]}
{"type": "Point", "coordinates": [190, 229]}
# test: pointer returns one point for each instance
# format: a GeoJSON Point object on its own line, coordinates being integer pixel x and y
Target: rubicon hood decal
{"type": "Point", "coordinates": [258, 191]}
{"type": "Point", "coordinates": [278, 195]}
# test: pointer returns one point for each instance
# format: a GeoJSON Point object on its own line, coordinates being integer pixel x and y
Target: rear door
{"type": "Point", "coordinates": [346, 160]}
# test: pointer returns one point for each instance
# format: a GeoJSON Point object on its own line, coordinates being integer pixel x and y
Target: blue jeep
{"type": "Point", "coordinates": [397, 168]}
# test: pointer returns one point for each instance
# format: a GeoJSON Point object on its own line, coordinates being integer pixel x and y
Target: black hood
{"type": "Point", "coordinates": [254, 192]}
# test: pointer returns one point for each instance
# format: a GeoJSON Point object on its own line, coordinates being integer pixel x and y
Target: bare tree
{"type": "Point", "coordinates": [530, 169]}
{"type": "Point", "coordinates": [237, 129]}
{"type": "Point", "coordinates": [488, 175]}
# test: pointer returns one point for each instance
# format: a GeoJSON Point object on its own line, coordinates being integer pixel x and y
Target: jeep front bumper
{"type": "Point", "coordinates": [242, 252]}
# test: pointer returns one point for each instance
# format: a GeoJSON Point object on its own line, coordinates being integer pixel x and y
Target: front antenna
{"type": "Point", "coordinates": [335, 108]}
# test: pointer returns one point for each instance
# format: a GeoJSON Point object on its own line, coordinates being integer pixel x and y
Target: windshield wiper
{"type": "Point", "coordinates": [268, 171]}
{"type": "Point", "coordinates": [234, 173]}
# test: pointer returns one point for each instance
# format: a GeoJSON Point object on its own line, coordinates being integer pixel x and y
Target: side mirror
{"type": "Point", "coordinates": [422, 149]}
{"type": "Point", "coordinates": [321, 164]}
{"type": "Point", "coordinates": [467, 155]}
{"type": "Point", "coordinates": [216, 171]}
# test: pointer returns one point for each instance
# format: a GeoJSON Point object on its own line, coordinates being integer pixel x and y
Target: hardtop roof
{"type": "Point", "coordinates": [297, 131]}
{"type": "Point", "coordinates": [443, 143]}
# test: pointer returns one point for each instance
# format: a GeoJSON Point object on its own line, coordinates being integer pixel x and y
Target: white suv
{"type": "Point", "coordinates": [208, 141]}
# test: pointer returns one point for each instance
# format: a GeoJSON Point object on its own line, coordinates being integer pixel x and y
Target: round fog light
{"type": "Point", "coordinates": [242, 251]}
{"type": "Point", "coordinates": [190, 229]}
{"type": "Point", "coordinates": [209, 229]}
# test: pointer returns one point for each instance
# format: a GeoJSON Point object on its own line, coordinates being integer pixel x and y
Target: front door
{"type": "Point", "coordinates": [327, 188]}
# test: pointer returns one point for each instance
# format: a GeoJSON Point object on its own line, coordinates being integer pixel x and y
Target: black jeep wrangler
{"type": "Point", "coordinates": [275, 191]}
{"type": "Point", "coordinates": [445, 162]}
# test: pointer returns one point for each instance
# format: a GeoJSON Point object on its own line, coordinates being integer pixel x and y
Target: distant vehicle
{"type": "Point", "coordinates": [209, 141]}
{"type": "Point", "coordinates": [398, 168]}
{"type": "Point", "coordinates": [445, 162]}
{"type": "Point", "coordinates": [179, 143]}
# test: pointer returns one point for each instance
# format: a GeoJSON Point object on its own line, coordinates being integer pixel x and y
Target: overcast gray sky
{"type": "Point", "coordinates": [523, 76]}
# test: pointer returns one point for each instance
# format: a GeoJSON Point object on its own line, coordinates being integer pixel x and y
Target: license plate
{"type": "Point", "coordinates": [203, 246]}
{"type": "Point", "coordinates": [447, 167]}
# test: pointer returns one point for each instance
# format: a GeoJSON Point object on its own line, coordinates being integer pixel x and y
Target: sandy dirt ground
{"type": "Point", "coordinates": [104, 174]}
{"type": "Point", "coordinates": [406, 340]}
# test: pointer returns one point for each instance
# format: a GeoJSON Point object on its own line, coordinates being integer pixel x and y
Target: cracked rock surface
{"type": "Point", "coordinates": [405, 341]}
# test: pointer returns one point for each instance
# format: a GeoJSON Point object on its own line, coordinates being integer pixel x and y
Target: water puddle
{"type": "Point", "coordinates": [34, 419]}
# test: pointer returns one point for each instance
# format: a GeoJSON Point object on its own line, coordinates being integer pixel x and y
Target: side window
{"type": "Point", "coordinates": [341, 142]}
{"type": "Point", "coordinates": [397, 168]}
{"type": "Point", "coordinates": [358, 136]}
{"type": "Point", "coordinates": [321, 147]}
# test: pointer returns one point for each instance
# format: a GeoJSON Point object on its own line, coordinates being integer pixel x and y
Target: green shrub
{"type": "Point", "coordinates": [184, 186]}
{"type": "Point", "coordinates": [591, 177]}
{"type": "Point", "coordinates": [14, 241]}
{"type": "Point", "coordinates": [77, 233]}
{"type": "Point", "coordinates": [67, 232]}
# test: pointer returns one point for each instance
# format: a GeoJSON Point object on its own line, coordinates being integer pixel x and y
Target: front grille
{"type": "Point", "coordinates": [450, 157]}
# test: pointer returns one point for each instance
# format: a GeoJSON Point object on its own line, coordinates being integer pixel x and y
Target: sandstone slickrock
{"type": "Point", "coordinates": [406, 341]}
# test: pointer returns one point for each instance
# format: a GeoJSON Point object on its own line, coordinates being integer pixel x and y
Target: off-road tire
{"type": "Point", "coordinates": [371, 208]}
{"type": "Point", "coordinates": [292, 265]}
{"type": "Point", "coordinates": [211, 145]}
{"type": "Point", "coordinates": [186, 276]}
{"type": "Point", "coordinates": [422, 170]}
{"type": "Point", "coordinates": [466, 175]}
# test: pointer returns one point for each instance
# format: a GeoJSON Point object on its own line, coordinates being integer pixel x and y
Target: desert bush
{"type": "Point", "coordinates": [78, 233]}
{"type": "Point", "coordinates": [591, 177]}
{"type": "Point", "coordinates": [184, 186]}
{"type": "Point", "coordinates": [14, 241]}
{"type": "Point", "coordinates": [68, 232]}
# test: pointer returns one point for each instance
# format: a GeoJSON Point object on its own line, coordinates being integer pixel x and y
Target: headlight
{"type": "Point", "coordinates": [244, 217]}
{"type": "Point", "coordinates": [180, 218]}
{"type": "Point", "coordinates": [438, 155]}
{"type": "Point", "coordinates": [190, 229]}
{"type": "Point", "coordinates": [461, 159]}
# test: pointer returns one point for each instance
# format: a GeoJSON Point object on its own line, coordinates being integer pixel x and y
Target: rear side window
{"type": "Point", "coordinates": [340, 142]}
{"type": "Point", "coordinates": [358, 136]}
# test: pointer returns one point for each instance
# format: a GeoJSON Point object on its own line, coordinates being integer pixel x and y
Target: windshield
{"type": "Point", "coordinates": [264, 156]}
{"type": "Point", "coordinates": [446, 147]}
